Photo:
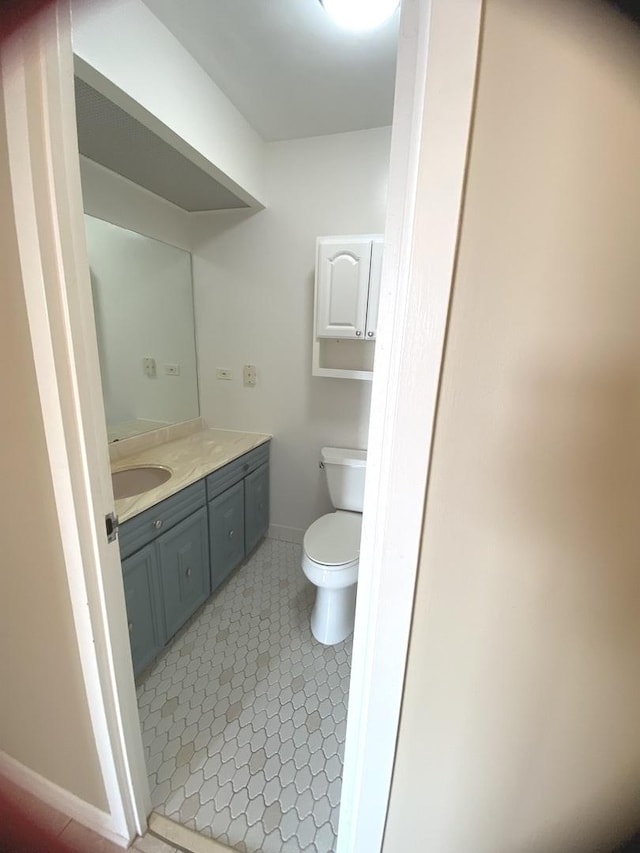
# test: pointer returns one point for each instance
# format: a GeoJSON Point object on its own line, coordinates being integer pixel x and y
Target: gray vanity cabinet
{"type": "Point", "coordinates": [226, 531]}
{"type": "Point", "coordinates": [184, 569]}
{"type": "Point", "coordinates": [144, 607]}
{"type": "Point", "coordinates": [165, 564]}
{"type": "Point", "coordinates": [238, 496]}
{"type": "Point", "coordinates": [175, 553]}
{"type": "Point", "coordinates": [256, 506]}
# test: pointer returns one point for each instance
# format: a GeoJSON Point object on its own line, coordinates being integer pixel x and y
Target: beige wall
{"type": "Point", "coordinates": [520, 727]}
{"type": "Point", "coordinates": [44, 718]}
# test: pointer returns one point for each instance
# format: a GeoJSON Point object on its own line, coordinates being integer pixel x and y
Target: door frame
{"type": "Point", "coordinates": [36, 67]}
{"type": "Point", "coordinates": [434, 102]}
{"type": "Point", "coordinates": [437, 62]}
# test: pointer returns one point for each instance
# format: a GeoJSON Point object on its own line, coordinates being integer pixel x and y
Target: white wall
{"type": "Point", "coordinates": [125, 43]}
{"type": "Point", "coordinates": [253, 277]}
{"type": "Point", "coordinates": [143, 306]}
{"type": "Point", "coordinates": [519, 729]}
{"type": "Point", "coordinates": [113, 198]}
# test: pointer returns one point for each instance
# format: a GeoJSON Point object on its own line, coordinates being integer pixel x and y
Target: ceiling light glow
{"type": "Point", "coordinates": [360, 14]}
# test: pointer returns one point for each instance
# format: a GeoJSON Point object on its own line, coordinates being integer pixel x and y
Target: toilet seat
{"type": "Point", "coordinates": [333, 540]}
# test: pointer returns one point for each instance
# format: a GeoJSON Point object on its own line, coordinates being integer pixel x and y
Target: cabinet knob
{"type": "Point", "coordinates": [231, 534]}
{"type": "Point", "coordinates": [157, 523]}
{"type": "Point", "coordinates": [370, 334]}
{"type": "Point", "coordinates": [245, 467]}
{"type": "Point", "coordinates": [188, 573]}
{"type": "Point", "coordinates": [358, 333]}
{"type": "Point", "coordinates": [130, 627]}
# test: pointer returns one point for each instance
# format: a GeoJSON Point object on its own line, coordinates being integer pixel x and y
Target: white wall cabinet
{"type": "Point", "coordinates": [347, 286]}
{"type": "Point", "coordinates": [347, 289]}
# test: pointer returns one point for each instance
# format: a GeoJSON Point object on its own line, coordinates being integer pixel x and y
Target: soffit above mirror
{"type": "Point", "coordinates": [112, 137]}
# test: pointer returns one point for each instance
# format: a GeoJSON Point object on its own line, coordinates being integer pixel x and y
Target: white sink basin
{"type": "Point", "coordinates": [136, 481]}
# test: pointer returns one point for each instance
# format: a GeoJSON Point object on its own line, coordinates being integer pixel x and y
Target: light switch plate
{"type": "Point", "coordinates": [250, 375]}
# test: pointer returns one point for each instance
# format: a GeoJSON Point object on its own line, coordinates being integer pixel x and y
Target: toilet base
{"type": "Point", "coordinates": [333, 614]}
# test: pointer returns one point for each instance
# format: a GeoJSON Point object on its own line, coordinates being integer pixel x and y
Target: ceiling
{"type": "Point", "coordinates": [286, 66]}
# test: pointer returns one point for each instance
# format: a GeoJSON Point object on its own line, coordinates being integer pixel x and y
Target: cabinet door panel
{"type": "Point", "coordinates": [374, 288]}
{"type": "Point", "coordinates": [256, 506]}
{"type": "Point", "coordinates": [226, 532]}
{"type": "Point", "coordinates": [342, 285]}
{"type": "Point", "coordinates": [141, 592]}
{"type": "Point", "coordinates": [153, 522]}
{"type": "Point", "coordinates": [184, 568]}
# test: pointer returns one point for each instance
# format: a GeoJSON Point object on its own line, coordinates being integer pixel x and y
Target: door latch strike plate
{"type": "Point", "coordinates": [111, 524]}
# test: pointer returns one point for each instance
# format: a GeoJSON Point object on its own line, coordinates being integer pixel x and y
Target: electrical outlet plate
{"type": "Point", "coordinates": [149, 367]}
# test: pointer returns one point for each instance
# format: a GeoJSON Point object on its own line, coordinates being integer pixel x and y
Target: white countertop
{"type": "Point", "coordinates": [190, 459]}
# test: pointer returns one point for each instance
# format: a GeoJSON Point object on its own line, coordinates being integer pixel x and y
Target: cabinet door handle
{"type": "Point", "coordinates": [231, 534]}
{"type": "Point", "coordinates": [130, 627]}
{"type": "Point", "coordinates": [370, 334]}
{"type": "Point", "coordinates": [245, 467]}
{"type": "Point", "coordinates": [358, 334]}
{"type": "Point", "coordinates": [188, 572]}
{"type": "Point", "coordinates": [157, 523]}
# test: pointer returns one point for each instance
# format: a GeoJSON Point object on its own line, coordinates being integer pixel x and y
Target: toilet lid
{"type": "Point", "coordinates": [334, 539]}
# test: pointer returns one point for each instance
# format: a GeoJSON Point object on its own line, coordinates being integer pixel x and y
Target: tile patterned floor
{"type": "Point", "coordinates": [244, 717]}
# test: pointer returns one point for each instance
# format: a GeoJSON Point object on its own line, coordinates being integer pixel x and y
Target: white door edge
{"type": "Point", "coordinates": [435, 86]}
{"type": "Point", "coordinates": [37, 81]}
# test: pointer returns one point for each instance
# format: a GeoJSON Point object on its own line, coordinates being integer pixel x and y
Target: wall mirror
{"type": "Point", "coordinates": [143, 304]}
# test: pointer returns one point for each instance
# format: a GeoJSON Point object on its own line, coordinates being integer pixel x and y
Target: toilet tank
{"type": "Point", "coordinates": [345, 470]}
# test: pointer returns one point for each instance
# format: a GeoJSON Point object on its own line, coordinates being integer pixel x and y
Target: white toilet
{"type": "Point", "coordinates": [331, 546]}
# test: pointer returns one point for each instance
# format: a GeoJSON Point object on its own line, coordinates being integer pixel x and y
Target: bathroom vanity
{"type": "Point", "coordinates": [180, 541]}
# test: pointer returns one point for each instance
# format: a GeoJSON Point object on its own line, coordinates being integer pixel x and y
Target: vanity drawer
{"type": "Point", "coordinates": [228, 475]}
{"type": "Point", "coordinates": [144, 528]}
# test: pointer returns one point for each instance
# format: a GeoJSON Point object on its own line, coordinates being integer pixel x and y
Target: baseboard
{"type": "Point", "coordinates": [286, 534]}
{"type": "Point", "coordinates": [58, 798]}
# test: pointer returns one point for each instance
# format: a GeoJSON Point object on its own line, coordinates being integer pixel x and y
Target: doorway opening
{"type": "Point", "coordinates": [243, 713]}
{"type": "Point", "coordinates": [423, 200]}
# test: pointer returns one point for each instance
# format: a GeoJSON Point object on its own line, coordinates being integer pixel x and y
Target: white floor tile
{"type": "Point", "coordinates": [244, 714]}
